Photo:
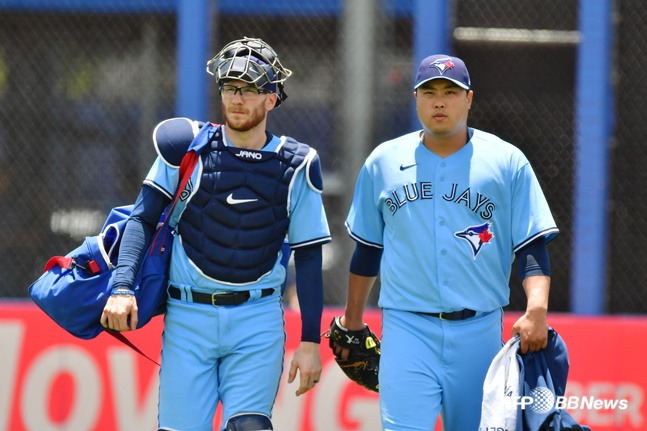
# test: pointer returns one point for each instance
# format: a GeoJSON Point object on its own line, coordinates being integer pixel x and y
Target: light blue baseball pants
{"type": "Point", "coordinates": [431, 366]}
{"type": "Point", "coordinates": [232, 354]}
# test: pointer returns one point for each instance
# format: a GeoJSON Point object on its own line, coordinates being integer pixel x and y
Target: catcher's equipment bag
{"type": "Point", "coordinates": [363, 361]}
{"type": "Point", "coordinates": [74, 289]}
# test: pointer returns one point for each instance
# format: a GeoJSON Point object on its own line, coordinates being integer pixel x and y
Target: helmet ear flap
{"type": "Point", "coordinates": [280, 95]}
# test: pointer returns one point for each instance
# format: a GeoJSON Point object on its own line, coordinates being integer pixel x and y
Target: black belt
{"type": "Point", "coordinates": [219, 298]}
{"type": "Point", "coordinates": [454, 315]}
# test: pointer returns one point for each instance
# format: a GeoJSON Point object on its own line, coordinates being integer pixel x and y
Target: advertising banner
{"type": "Point", "coordinates": [50, 380]}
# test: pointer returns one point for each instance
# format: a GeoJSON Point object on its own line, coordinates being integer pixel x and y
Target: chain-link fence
{"type": "Point", "coordinates": [627, 275]}
{"type": "Point", "coordinates": [524, 93]}
{"type": "Point", "coordinates": [81, 92]}
{"type": "Point", "coordinates": [78, 96]}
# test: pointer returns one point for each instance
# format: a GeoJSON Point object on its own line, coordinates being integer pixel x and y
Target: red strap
{"type": "Point", "coordinates": [121, 337]}
{"type": "Point", "coordinates": [62, 261]}
{"type": "Point", "coordinates": [189, 161]}
{"type": "Point", "coordinates": [68, 262]}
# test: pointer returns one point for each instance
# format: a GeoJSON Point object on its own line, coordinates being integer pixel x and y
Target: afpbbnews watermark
{"type": "Point", "coordinates": [542, 400]}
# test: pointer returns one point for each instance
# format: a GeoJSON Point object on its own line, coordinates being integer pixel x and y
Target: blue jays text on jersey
{"type": "Point", "coordinates": [424, 190]}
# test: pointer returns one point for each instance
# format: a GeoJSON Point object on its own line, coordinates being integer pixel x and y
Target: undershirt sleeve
{"type": "Point", "coordinates": [309, 280]}
{"type": "Point", "coordinates": [533, 259]}
{"type": "Point", "coordinates": [366, 260]}
{"type": "Point", "coordinates": [137, 235]}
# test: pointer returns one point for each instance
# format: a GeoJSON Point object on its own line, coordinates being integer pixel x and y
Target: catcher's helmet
{"type": "Point", "coordinates": [253, 61]}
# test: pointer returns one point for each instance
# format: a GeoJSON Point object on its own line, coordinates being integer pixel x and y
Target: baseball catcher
{"type": "Point", "coordinates": [363, 360]}
{"type": "Point", "coordinates": [254, 199]}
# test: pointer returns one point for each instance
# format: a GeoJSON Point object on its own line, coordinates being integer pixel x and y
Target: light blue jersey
{"type": "Point", "coordinates": [449, 226]}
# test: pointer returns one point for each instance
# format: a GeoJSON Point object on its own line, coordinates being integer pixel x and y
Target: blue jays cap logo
{"type": "Point", "coordinates": [442, 64]}
{"type": "Point", "coordinates": [476, 236]}
{"type": "Point", "coordinates": [445, 67]}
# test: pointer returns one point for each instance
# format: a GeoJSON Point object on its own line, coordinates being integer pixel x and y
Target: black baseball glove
{"type": "Point", "coordinates": [363, 360]}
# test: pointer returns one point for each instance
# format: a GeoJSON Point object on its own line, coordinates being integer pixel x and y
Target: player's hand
{"type": "Point", "coordinates": [342, 352]}
{"type": "Point", "coordinates": [307, 360]}
{"type": "Point", "coordinates": [532, 330]}
{"type": "Point", "coordinates": [120, 313]}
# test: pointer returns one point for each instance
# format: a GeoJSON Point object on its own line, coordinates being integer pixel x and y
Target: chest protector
{"type": "Point", "coordinates": [234, 225]}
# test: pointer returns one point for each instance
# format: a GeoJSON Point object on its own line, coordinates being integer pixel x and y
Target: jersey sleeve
{"type": "Point", "coordinates": [531, 216]}
{"type": "Point", "coordinates": [163, 177]}
{"type": "Point", "coordinates": [364, 222]}
{"type": "Point", "coordinates": [308, 221]}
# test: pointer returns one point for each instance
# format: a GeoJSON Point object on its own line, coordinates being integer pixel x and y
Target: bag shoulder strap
{"type": "Point", "coordinates": [121, 337]}
{"type": "Point", "coordinates": [189, 161]}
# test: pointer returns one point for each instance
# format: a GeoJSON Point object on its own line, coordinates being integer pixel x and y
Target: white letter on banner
{"type": "Point", "coordinates": [79, 365]}
{"type": "Point", "coordinates": [123, 381]}
{"type": "Point", "coordinates": [599, 390]}
{"type": "Point", "coordinates": [574, 389]}
{"type": "Point", "coordinates": [364, 411]}
{"type": "Point", "coordinates": [10, 346]}
{"type": "Point", "coordinates": [631, 404]}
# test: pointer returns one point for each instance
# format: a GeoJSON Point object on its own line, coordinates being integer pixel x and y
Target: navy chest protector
{"type": "Point", "coordinates": [235, 222]}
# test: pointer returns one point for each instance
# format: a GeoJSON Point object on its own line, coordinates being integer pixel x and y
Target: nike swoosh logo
{"type": "Point", "coordinates": [403, 167]}
{"type": "Point", "coordinates": [231, 200]}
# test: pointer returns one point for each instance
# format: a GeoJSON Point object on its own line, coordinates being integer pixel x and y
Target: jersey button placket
{"type": "Point", "coordinates": [441, 232]}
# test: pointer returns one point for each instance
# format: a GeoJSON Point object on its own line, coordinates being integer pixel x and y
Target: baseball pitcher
{"type": "Point", "coordinates": [440, 214]}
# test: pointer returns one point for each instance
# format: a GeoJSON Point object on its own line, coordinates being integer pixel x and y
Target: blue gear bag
{"type": "Point", "coordinates": [74, 289]}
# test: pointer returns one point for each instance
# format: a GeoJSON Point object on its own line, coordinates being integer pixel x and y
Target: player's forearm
{"type": "Point", "coordinates": [532, 326]}
{"type": "Point", "coordinates": [359, 288]}
{"type": "Point", "coordinates": [537, 288]}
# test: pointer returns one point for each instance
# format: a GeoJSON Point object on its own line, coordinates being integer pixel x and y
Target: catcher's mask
{"type": "Point", "coordinates": [253, 61]}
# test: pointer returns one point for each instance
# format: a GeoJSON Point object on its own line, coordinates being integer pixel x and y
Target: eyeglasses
{"type": "Point", "coordinates": [229, 91]}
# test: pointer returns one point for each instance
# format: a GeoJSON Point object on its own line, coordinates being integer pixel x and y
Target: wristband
{"type": "Point", "coordinates": [122, 292]}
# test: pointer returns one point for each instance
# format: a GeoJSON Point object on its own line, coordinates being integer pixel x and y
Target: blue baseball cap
{"type": "Point", "coordinates": [442, 66]}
